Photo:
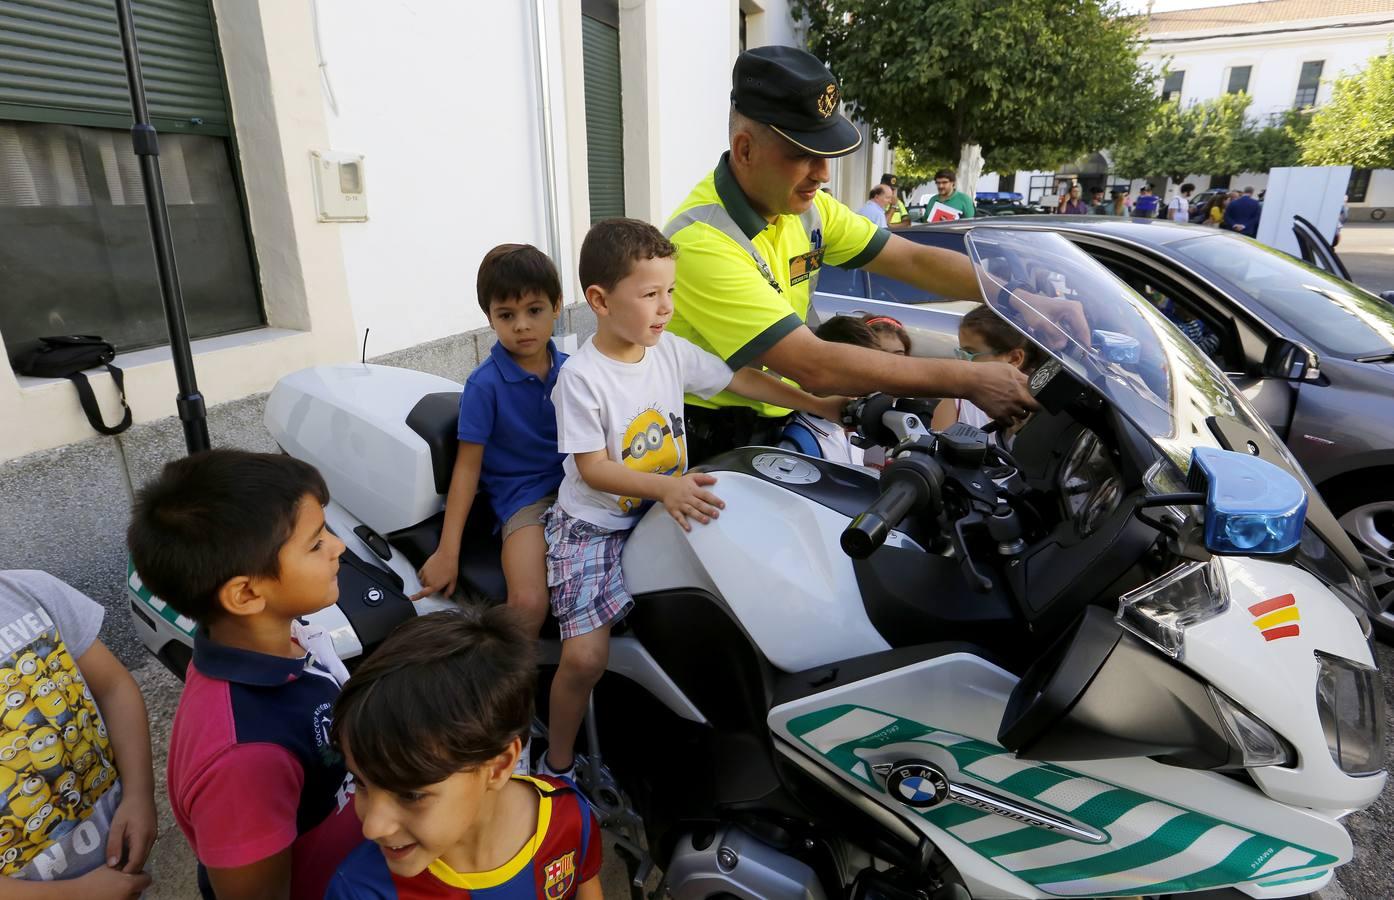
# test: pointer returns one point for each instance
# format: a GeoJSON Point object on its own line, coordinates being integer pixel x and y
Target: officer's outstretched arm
{"type": "Point", "coordinates": [935, 269]}
{"type": "Point", "coordinates": [823, 367]}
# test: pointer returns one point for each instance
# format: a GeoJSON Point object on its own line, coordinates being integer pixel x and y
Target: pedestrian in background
{"type": "Point", "coordinates": [946, 182]}
{"type": "Point", "coordinates": [1146, 205]}
{"type": "Point", "coordinates": [1242, 215]}
{"type": "Point", "coordinates": [1179, 207]}
{"type": "Point", "coordinates": [882, 196]}
{"type": "Point", "coordinates": [1071, 204]}
{"type": "Point", "coordinates": [1215, 210]}
{"type": "Point", "coordinates": [1121, 204]}
{"type": "Point", "coordinates": [897, 216]}
{"type": "Point", "coordinates": [1097, 206]}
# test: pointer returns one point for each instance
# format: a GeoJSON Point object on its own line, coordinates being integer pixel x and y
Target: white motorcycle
{"type": "Point", "coordinates": [1127, 656]}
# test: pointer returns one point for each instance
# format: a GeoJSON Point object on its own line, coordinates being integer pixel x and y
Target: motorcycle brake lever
{"type": "Point", "coordinates": [979, 582]}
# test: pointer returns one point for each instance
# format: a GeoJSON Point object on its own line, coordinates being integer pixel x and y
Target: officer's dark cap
{"type": "Point", "coordinates": [792, 92]}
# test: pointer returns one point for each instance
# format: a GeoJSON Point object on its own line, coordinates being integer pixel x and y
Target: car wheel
{"type": "Point", "coordinates": [1370, 525]}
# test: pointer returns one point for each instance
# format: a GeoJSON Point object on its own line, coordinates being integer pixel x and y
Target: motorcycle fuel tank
{"type": "Point", "coordinates": [772, 556]}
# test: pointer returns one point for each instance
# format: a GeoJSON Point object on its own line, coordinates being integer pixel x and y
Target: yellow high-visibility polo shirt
{"type": "Point", "coordinates": [724, 303]}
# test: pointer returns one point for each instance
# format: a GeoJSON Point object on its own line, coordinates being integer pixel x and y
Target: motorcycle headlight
{"type": "Point", "coordinates": [1160, 611]}
{"type": "Point", "coordinates": [1350, 701]}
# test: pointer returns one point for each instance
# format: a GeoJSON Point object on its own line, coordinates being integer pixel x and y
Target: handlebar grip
{"type": "Point", "coordinates": [869, 530]}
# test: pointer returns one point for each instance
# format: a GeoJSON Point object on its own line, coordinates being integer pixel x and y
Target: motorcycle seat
{"type": "Point", "coordinates": [480, 569]}
{"type": "Point", "coordinates": [436, 418]}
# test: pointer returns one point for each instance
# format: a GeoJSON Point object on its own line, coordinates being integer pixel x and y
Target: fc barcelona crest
{"type": "Point", "coordinates": [561, 876]}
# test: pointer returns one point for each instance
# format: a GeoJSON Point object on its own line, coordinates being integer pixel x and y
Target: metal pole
{"type": "Point", "coordinates": [147, 149]}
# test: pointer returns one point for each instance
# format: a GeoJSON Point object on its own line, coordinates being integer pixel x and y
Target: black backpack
{"type": "Point", "coordinates": [66, 356]}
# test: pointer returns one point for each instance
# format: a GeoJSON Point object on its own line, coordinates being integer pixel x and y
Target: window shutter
{"type": "Point", "coordinates": [61, 62]}
{"type": "Point", "coordinates": [604, 122]}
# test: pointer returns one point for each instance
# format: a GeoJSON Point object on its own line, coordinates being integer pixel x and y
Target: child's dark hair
{"type": "Point", "coordinates": [1000, 336]}
{"type": "Point", "coordinates": [887, 325]}
{"type": "Point", "coordinates": [613, 246]}
{"type": "Point", "coordinates": [848, 330]}
{"type": "Point", "coordinates": [214, 516]}
{"type": "Point", "coordinates": [445, 693]}
{"type": "Point", "coordinates": [512, 271]}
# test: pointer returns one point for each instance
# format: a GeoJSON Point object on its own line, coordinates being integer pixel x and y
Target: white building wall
{"type": "Point", "coordinates": [441, 99]}
{"type": "Point", "coordinates": [1276, 59]}
{"type": "Point", "coordinates": [695, 53]}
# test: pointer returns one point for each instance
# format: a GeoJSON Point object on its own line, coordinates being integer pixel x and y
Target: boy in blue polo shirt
{"type": "Point", "coordinates": [508, 431]}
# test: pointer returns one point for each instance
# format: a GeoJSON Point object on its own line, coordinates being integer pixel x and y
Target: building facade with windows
{"type": "Point", "coordinates": [455, 126]}
{"type": "Point", "coordinates": [1286, 54]}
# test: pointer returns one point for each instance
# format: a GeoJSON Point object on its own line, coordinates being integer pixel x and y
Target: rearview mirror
{"type": "Point", "coordinates": [1290, 361]}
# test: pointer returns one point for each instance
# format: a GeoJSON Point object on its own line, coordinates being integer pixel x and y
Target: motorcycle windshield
{"type": "Point", "coordinates": [1132, 350]}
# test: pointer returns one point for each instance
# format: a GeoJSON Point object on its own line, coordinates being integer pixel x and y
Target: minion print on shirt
{"type": "Point", "coordinates": [58, 783]}
{"type": "Point", "coordinates": [653, 443]}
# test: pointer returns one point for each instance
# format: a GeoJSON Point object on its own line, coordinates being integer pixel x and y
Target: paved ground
{"type": "Point", "coordinates": [1368, 251]}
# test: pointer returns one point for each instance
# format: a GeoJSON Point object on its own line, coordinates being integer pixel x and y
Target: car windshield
{"type": "Point", "coordinates": [1109, 337]}
{"type": "Point", "coordinates": [1332, 315]}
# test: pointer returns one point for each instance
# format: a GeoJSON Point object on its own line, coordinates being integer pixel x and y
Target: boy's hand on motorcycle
{"type": "Point", "coordinates": [439, 573]}
{"type": "Point", "coordinates": [1000, 390]}
{"type": "Point", "coordinates": [687, 496]}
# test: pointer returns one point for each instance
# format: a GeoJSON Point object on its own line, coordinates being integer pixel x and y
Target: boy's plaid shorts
{"type": "Point", "coordinates": [583, 571]}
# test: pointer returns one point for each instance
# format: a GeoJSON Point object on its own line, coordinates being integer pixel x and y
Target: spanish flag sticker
{"type": "Point", "coordinates": [1277, 618]}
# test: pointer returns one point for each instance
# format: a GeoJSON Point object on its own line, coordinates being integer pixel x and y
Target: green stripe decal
{"type": "Point", "coordinates": [1107, 808]}
{"type": "Point", "coordinates": [1240, 865]}
{"type": "Point", "coordinates": [843, 734]}
{"type": "Point", "coordinates": [1311, 877]}
{"type": "Point", "coordinates": [1171, 838]}
{"type": "Point", "coordinates": [1018, 841]}
{"type": "Point", "coordinates": [951, 814]}
{"type": "Point", "coordinates": [1033, 781]}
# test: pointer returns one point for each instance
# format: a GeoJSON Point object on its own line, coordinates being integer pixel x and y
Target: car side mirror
{"type": "Point", "coordinates": [1290, 361]}
{"type": "Point", "coordinates": [1387, 295]}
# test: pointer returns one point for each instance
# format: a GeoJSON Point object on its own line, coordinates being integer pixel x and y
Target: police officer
{"type": "Point", "coordinates": [751, 237]}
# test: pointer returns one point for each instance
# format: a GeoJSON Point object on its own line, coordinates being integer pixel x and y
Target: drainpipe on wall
{"type": "Point", "coordinates": [549, 159]}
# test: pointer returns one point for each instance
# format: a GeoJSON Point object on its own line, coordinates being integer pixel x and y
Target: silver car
{"type": "Point", "coordinates": [1312, 352]}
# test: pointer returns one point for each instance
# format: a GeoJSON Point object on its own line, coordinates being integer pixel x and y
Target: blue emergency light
{"type": "Point", "coordinates": [1252, 507]}
{"type": "Point", "coordinates": [1115, 347]}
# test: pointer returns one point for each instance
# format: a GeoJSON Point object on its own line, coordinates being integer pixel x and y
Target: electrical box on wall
{"type": "Point", "coordinates": [340, 194]}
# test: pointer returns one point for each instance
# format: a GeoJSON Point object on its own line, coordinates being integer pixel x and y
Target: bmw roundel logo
{"type": "Point", "coordinates": [917, 784]}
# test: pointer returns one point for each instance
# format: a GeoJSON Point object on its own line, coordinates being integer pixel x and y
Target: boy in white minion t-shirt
{"type": "Point", "coordinates": [619, 402]}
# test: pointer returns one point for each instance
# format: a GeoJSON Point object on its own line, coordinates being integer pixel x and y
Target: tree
{"type": "Point", "coordinates": [1176, 141]}
{"type": "Point", "coordinates": [913, 170]}
{"type": "Point", "coordinates": [1276, 144]}
{"type": "Point", "coordinates": [1038, 80]}
{"type": "Point", "coordinates": [1357, 127]}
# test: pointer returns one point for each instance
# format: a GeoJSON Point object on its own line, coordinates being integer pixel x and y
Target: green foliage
{"type": "Point", "coordinates": [1036, 82]}
{"type": "Point", "coordinates": [1176, 141]}
{"type": "Point", "coordinates": [913, 170]}
{"type": "Point", "coordinates": [1357, 127]}
{"type": "Point", "coordinates": [1276, 144]}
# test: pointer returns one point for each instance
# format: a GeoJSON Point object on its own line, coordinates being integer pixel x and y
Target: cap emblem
{"type": "Point", "coordinates": [827, 101]}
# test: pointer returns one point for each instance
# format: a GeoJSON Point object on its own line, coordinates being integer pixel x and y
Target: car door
{"type": "Point", "coordinates": [1244, 340]}
{"type": "Point", "coordinates": [1317, 250]}
{"type": "Point", "coordinates": [929, 319]}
